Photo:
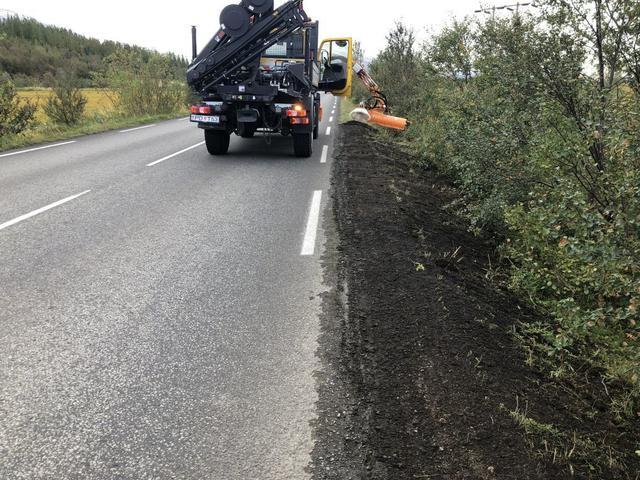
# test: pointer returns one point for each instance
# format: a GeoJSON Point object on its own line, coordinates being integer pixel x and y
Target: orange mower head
{"type": "Point", "coordinates": [377, 116]}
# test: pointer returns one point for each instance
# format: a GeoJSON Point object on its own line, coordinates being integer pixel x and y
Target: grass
{"type": "Point", "coordinates": [549, 442]}
{"type": "Point", "coordinates": [95, 124]}
{"type": "Point", "coordinates": [99, 101]}
{"type": "Point", "coordinates": [346, 106]}
{"type": "Point", "coordinates": [100, 116]}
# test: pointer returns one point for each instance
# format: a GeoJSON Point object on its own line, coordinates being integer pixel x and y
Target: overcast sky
{"type": "Point", "coordinates": [164, 26]}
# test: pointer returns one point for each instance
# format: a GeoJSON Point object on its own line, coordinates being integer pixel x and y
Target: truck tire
{"type": "Point", "coordinates": [246, 131]}
{"type": "Point", "coordinates": [217, 141]}
{"type": "Point", "coordinates": [303, 144]}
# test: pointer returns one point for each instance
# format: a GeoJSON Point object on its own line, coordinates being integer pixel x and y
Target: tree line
{"type": "Point", "coordinates": [33, 54]}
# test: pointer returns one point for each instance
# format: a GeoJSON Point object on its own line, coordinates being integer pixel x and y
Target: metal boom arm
{"type": "Point", "coordinates": [224, 55]}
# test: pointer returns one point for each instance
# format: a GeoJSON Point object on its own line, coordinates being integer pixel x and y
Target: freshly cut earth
{"type": "Point", "coordinates": [423, 377]}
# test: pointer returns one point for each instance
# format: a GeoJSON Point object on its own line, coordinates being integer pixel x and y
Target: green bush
{"type": "Point", "coordinates": [67, 104]}
{"type": "Point", "coordinates": [15, 115]}
{"type": "Point", "coordinates": [537, 120]}
{"type": "Point", "coordinates": [145, 84]}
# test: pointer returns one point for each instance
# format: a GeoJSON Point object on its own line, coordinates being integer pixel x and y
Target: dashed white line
{"type": "Point", "coordinates": [325, 154]}
{"type": "Point", "coordinates": [37, 148]}
{"type": "Point", "coordinates": [328, 130]}
{"type": "Point", "coordinates": [40, 210]}
{"type": "Point", "coordinates": [330, 119]}
{"type": "Point", "coordinates": [175, 154]}
{"type": "Point", "coordinates": [137, 128]}
{"type": "Point", "coordinates": [309, 244]}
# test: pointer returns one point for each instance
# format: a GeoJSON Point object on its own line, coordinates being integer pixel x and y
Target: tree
{"type": "Point", "coordinates": [450, 52]}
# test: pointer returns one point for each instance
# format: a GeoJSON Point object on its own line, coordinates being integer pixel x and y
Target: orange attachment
{"type": "Point", "coordinates": [378, 117]}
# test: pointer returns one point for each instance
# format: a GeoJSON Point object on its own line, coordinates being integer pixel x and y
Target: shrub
{"type": "Point", "coordinates": [536, 119]}
{"type": "Point", "coordinates": [15, 115]}
{"type": "Point", "coordinates": [67, 104]}
{"type": "Point", "coordinates": [145, 84]}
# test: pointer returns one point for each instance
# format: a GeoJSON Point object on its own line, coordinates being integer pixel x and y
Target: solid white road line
{"type": "Point", "coordinates": [137, 128]}
{"type": "Point", "coordinates": [40, 210]}
{"type": "Point", "coordinates": [325, 154]}
{"type": "Point", "coordinates": [328, 130]}
{"type": "Point", "coordinates": [36, 149]}
{"type": "Point", "coordinates": [175, 154]}
{"type": "Point", "coordinates": [309, 244]}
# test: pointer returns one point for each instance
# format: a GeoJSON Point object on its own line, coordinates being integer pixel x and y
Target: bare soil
{"type": "Point", "coordinates": [422, 375]}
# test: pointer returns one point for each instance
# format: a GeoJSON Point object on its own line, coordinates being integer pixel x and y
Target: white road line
{"type": "Point", "coordinates": [38, 148]}
{"type": "Point", "coordinates": [137, 128]}
{"type": "Point", "coordinates": [175, 154]}
{"type": "Point", "coordinates": [309, 244]}
{"type": "Point", "coordinates": [330, 119]}
{"type": "Point", "coordinates": [40, 210]}
{"type": "Point", "coordinates": [333, 112]}
{"type": "Point", "coordinates": [328, 130]}
{"type": "Point", "coordinates": [325, 154]}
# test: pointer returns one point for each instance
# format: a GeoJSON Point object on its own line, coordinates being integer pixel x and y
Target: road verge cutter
{"type": "Point", "coordinates": [262, 72]}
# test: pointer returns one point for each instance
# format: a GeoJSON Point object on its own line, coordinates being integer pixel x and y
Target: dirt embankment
{"type": "Point", "coordinates": [423, 377]}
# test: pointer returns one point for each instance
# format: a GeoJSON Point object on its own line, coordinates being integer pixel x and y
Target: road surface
{"type": "Point", "coordinates": [159, 306]}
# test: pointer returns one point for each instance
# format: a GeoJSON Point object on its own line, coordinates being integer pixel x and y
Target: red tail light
{"type": "Point", "coordinates": [297, 111]}
{"type": "Point", "coordinates": [201, 109]}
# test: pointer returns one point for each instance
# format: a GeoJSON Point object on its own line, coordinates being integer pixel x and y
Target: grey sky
{"type": "Point", "coordinates": [164, 26]}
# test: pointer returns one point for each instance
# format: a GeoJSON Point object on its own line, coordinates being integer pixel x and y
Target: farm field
{"type": "Point", "coordinates": [99, 100]}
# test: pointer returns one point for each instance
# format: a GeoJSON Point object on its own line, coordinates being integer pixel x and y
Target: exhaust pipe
{"type": "Point", "coordinates": [194, 42]}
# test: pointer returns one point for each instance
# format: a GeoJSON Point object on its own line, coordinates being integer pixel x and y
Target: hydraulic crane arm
{"type": "Point", "coordinates": [376, 108]}
{"type": "Point", "coordinates": [242, 39]}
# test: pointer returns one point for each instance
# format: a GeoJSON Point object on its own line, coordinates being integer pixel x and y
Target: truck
{"type": "Point", "coordinates": [263, 72]}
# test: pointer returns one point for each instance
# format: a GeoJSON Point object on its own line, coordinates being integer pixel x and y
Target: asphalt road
{"type": "Point", "coordinates": [160, 322]}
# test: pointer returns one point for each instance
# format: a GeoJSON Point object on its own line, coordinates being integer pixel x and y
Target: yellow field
{"type": "Point", "coordinates": [98, 100]}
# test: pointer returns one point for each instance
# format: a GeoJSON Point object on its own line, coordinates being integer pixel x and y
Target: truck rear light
{"type": "Point", "coordinates": [297, 110]}
{"type": "Point", "coordinates": [300, 121]}
{"type": "Point", "coordinates": [201, 109]}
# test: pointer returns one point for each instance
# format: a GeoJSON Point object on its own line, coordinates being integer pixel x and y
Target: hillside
{"type": "Point", "coordinates": [32, 53]}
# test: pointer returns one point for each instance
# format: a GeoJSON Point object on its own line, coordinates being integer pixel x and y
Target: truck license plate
{"type": "Point", "coordinates": [205, 119]}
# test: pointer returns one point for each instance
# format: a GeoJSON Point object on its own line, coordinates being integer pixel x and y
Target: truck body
{"type": "Point", "coordinates": [263, 72]}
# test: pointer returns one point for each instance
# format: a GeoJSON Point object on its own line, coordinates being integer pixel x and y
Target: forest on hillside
{"type": "Point", "coordinates": [33, 54]}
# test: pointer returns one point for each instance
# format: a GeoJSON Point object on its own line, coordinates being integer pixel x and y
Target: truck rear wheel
{"type": "Point", "coordinates": [217, 141]}
{"type": "Point", "coordinates": [303, 144]}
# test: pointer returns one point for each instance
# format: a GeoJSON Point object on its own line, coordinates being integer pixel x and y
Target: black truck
{"type": "Point", "coordinates": [263, 72]}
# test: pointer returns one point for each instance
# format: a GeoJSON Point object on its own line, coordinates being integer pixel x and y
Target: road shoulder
{"type": "Point", "coordinates": [422, 377]}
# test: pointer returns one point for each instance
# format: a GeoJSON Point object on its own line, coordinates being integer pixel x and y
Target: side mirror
{"type": "Point", "coordinates": [336, 69]}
